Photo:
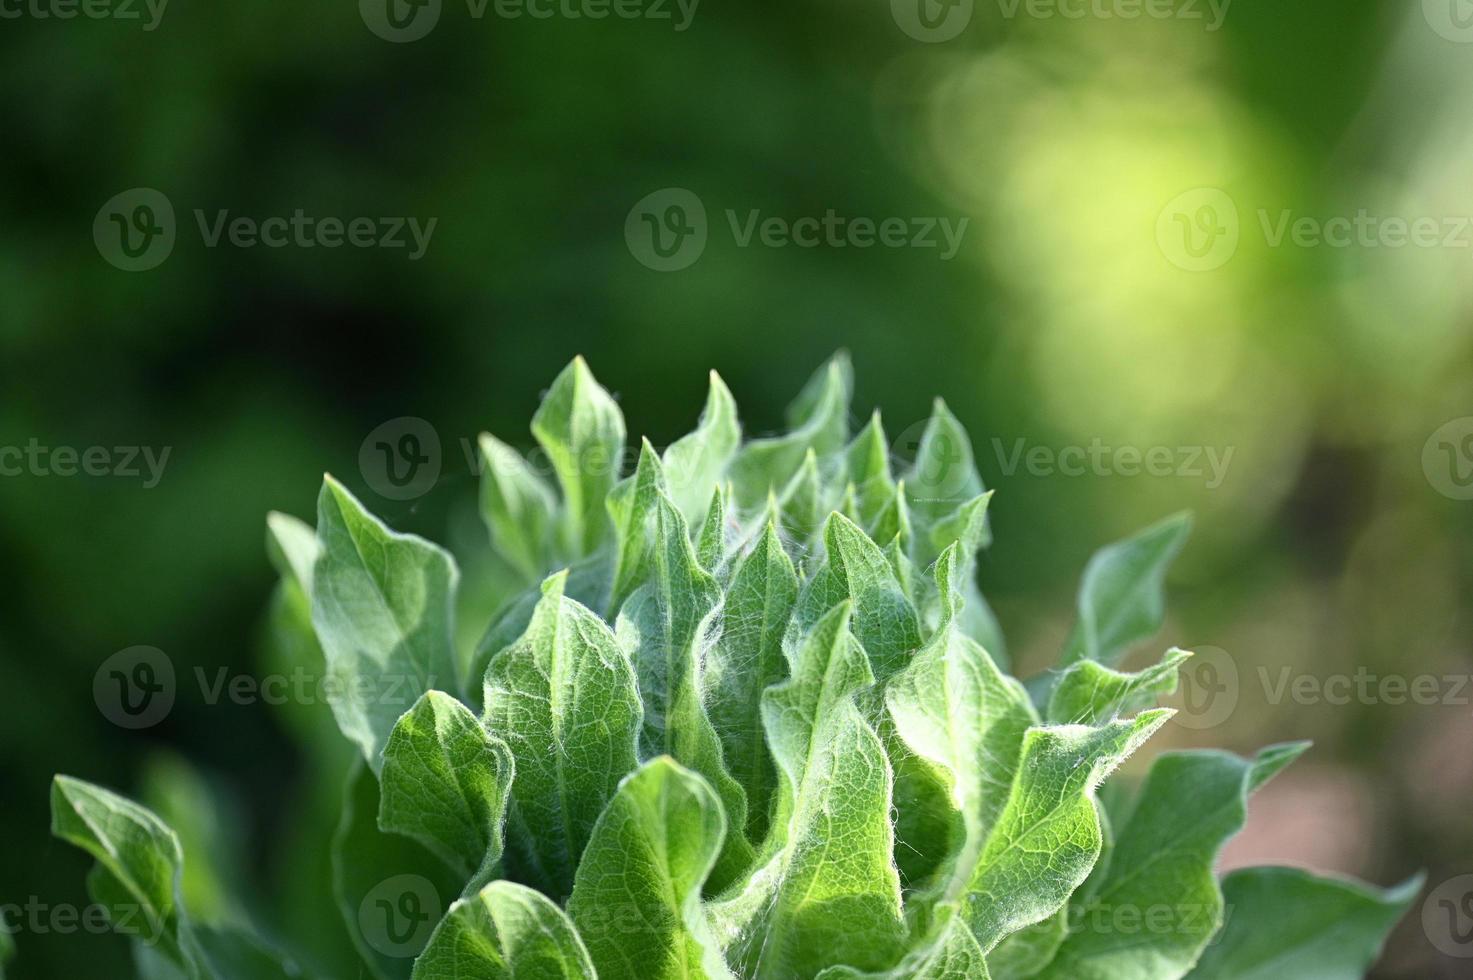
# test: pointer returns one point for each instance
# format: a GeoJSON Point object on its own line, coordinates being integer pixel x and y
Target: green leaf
{"type": "Point", "coordinates": [944, 475]}
{"type": "Point", "coordinates": [904, 569]}
{"type": "Point", "coordinates": [139, 864]}
{"type": "Point", "coordinates": [292, 546]}
{"type": "Point", "coordinates": [137, 880]}
{"type": "Point", "coordinates": [505, 932]}
{"type": "Point", "coordinates": [637, 899]}
{"type": "Point", "coordinates": [868, 467]}
{"type": "Point", "coordinates": [820, 423]}
{"type": "Point", "coordinates": [953, 708]}
{"type": "Point", "coordinates": [233, 954]}
{"type": "Point", "coordinates": [746, 660]}
{"type": "Point", "coordinates": [967, 528]}
{"type": "Point", "coordinates": [631, 507]}
{"type": "Point", "coordinates": [581, 429]}
{"type": "Point", "coordinates": [953, 955]}
{"type": "Point", "coordinates": [885, 621]}
{"type": "Point", "coordinates": [290, 643]}
{"type": "Point", "coordinates": [696, 464]}
{"type": "Point", "coordinates": [1121, 599]}
{"type": "Point", "coordinates": [588, 582]}
{"type": "Point", "coordinates": [812, 401]}
{"type": "Point", "coordinates": [980, 623]}
{"type": "Point", "coordinates": [1047, 836]}
{"type": "Point", "coordinates": [382, 606]}
{"type": "Point", "coordinates": [228, 954]}
{"type": "Point", "coordinates": [811, 904]}
{"type": "Point", "coordinates": [390, 889]}
{"type": "Point", "coordinates": [711, 545]}
{"type": "Point", "coordinates": [564, 700]}
{"type": "Point", "coordinates": [446, 783]}
{"type": "Point", "coordinates": [1088, 693]}
{"type": "Point", "coordinates": [1157, 904]}
{"type": "Point", "coordinates": [666, 625]}
{"type": "Point", "coordinates": [893, 522]}
{"type": "Point", "coordinates": [1289, 923]}
{"type": "Point", "coordinates": [205, 818]}
{"type": "Point", "coordinates": [800, 505]}
{"type": "Point", "coordinates": [519, 508]}
{"type": "Point", "coordinates": [1027, 951]}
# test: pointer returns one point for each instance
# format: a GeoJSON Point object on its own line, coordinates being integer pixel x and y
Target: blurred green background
{"type": "Point", "coordinates": [1069, 317]}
